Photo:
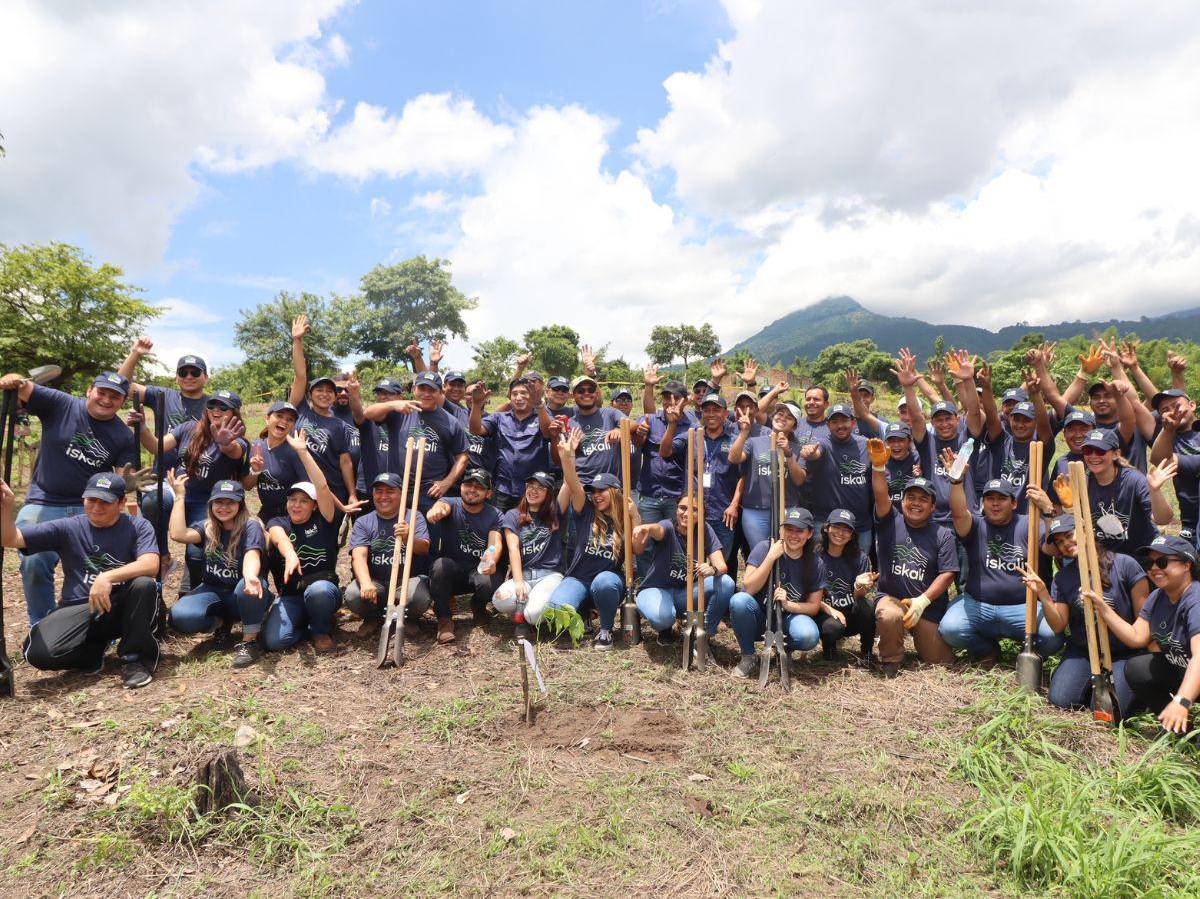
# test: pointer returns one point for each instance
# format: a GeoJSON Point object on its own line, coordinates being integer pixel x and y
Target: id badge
{"type": "Point", "coordinates": [708, 480]}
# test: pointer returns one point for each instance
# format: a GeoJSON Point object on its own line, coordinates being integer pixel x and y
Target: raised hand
{"type": "Point", "coordinates": [744, 419]}
{"type": "Point", "coordinates": [1176, 362]}
{"type": "Point", "coordinates": [177, 482]}
{"type": "Point", "coordinates": [1174, 418]}
{"type": "Point", "coordinates": [948, 456]}
{"type": "Point", "coordinates": [299, 326]}
{"type": "Point", "coordinates": [523, 359]}
{"type": "Point", "coordinates": [852, 379]}
{"type": "Point", "coordinates": [1091, 360]}
{"type": "Point", "coordinates": [983, 375]}
{"type": "Point", "coordinates": [1128, 353]}
{"type": "Point", "coordinates": [353, 385]}
{"type": "Point", "coordinates": [573, 438]}
{"type": "Point", "coordinates": [142, 347]}
{"type": "Point", "coordinates": [1109, 351]}
{"type": "Point", "coordinates": [749, 371]}
{"type": "Point", "coordinates": [257, 460]}
{"type": "Point", "coordinates": [1066, 496]}
{"type": "Point", "coordinates": [718, 369]}
{"type": "Point", "coordinates": [878, 452]}
{"type": "Point", "coordinates": [1033, 383]}
{"type": "Point", "coordinates": [906, 368]}
{"type": "Point", "coordinates": [435, 352]}
{"type": "Point", "coordinates": [1158, 475]}
{"type": "Point", "coordinates": [298, 441]}
{"type": "Point", "coordinates": [650, 376]}
{"type": "Point", "coordinates": [587, 358]}
{"type": "Point", "coordinates": [673, 409]}
{"type": "Point", "coordinates": [1031, 578]}
{"type": "Point", "coordinates": [228, 431]}
{"type": "Point", "coordinates": [960, 365]}
{"type": "Point", "coordinates": [937, 370]}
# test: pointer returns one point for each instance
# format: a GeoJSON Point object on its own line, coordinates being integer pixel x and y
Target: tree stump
{"type": "Point", "coordinates": [221, 781]}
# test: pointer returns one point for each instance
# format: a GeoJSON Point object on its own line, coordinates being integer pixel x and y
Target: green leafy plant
{"type": "Point", "coordinates": [558, 619]}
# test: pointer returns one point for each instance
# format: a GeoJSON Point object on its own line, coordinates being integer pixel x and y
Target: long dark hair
{"type": "Point", "coordinates": [849, 552]}
{"type": "Point", "coordinates": [547, 515]}
{"type": "Point", "coordinates": [200, 441]}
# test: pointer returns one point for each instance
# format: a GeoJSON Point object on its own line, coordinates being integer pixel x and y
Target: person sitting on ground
{"type": "Point", "coordinates": [110, 561]}
{"type": "Point", "coordinates": [847, 608]}
{"type": "Point", "coordinates": [372, 549]}
{"type": "Point", "coordinates": [1125, 588]}
{"type": "Point", "coordinates": [801, 591]}
{"type": "Point", "coordinates": [471, 548]}
{"type": "Point", "coordinates": [231, 589]}
{"type": "Point", "coordinates": [533, 542]}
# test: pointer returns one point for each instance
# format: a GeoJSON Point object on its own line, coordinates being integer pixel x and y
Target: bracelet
{"type": "Point", "coordinates": [879, 468]}
{"type": "Point", "coordinates": [1186, 703]}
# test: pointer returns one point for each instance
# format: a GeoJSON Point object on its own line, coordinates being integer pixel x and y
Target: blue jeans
{"type": "Point", "coordinates": [1071, 683]}
{"type": "Point", "coordinates": [193, 555]}
{"type": "Point", "coordinates": [724, 535]}
{"type": "Point", "coordinates": [978, 626]}
{"type": "Point", "coordinates": [756, 527]}
{"type": "Point", "coordinates": [606, 590]}
{"type": "Point", "coordinates": [37, 570]}
{"type": "Point", "coordinates": [197, 612]}
{"type": "Point", "coordinates": [749, 619]}
{"type": "Point", "coordinates": [653, 510]}
{"type": "Point", "coordinates": [149, 505]}
{"type": "Point", "coordinates": [292, 618]}
{"type": "Point", "coordinates": [662, 605]}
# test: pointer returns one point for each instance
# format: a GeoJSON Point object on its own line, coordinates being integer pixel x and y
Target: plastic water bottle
{"type": "Point", "coordinates": [959, 468]}
{"type": "Point", "coordinates": [485, 558]}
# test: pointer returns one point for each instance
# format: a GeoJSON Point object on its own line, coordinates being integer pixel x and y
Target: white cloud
{"type": "Point", "coordinates": [189, 328]}
{"type": "Point", "coordinates": [180, 313]}
{"type": "Point", "coordinates": [380, 208]}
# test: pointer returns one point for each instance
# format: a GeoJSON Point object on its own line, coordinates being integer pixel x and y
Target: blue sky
{"type": "Point", "coordinates": [613, 165]}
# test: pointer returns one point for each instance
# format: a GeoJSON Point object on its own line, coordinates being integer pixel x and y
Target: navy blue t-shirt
{"type": "Point", "coordinates": [590, 554]}
{"type": "Point", "coordinates": [1125, 573]}
{"type": "Point", "coordinates": [316, 544]}
{"type": "Point", "coordinates": [445, 440]}
{"type": "Point", "coordinates": [900, 472]}
{"type": "Point", "coordinates": [1121, 515]}
{"type": "Point", "coordinates": [1172, 626]}
{"type": "Point", "coordinates": [281, 469]}
{"type": "Point", "coordinates": [721, 478]}
{"type": "Point", "coordinates": [996, 556]}
{"type": "Point", "coordinates": [74, 447]}
{"type": "Point", "coordinates": [520, 449]}
{"type": "Point", "coordinates": [662, 478]}
{"type": "Point", "coordinates": [929, 451]}
{"type": "Point", "coordinates": [465, 534]}
{"type": "Point", "coordinates": [1187, 480]}
{"type": "Point", "coordinates": [595, 453]}
{"type": "Point", "coordinates": [541, 546]}
{"type": "Point", "coordinates": [346, 416]}
{"type": "Point", "coordinates": [327, 437]}
{"type": "Point", "coordinates": [481, 449]}
{"type": "Point", "coordinates": [668, 560]}
{"type": "Point", "coordinates": [213, 464]}
{"type": "Point", "coordinates": [910, 559]}
{"type": "Point", "coordinates": [799, 577]}
{"type": "Point", "coordinates": [373, 455]}
{"type": "Point", "coordinates": [756, 470]}
{"type": "Point", "coordinates": [86, 551]}
{"type": "Point", "coordinates": [221, 569]}
{"type": "Point", "coordinates": [840, 575]}
{"type": "Point", "coordinates": [378, 535]}
{"type": "Point", "coordinates": [177, 409]}
{"type": "Point", "coordinates": [1010, 462]}
{"type": "Point", "coordinates": [840, 479]}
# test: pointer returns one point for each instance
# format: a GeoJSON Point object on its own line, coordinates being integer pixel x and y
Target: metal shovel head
{"type": "Point", "coordinates": [398, 641]}
{"type": "Point", "coordinates": [701, 649]}
{"type": "Point", "coordinates": [630, 623]}
{"type": "Point", "coordinates": [685, 644]}
{"type": "Point", "coordinates": [44, 374]}
{"type": "Point", "coordinates": [764, 663]}
{"type": "Point", "coordinates": [1029, 671]}
{"type": "Point", "coordinates": [385, 635]}
{"type": "Point", "coordinates": [1104, 703]}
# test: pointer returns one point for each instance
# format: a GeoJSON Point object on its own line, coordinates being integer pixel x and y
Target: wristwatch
{"type": "Point", "coordinates": [1186, 703]}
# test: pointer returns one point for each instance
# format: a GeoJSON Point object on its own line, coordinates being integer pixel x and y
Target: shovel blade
{"type": "Point", "coordinates": [701, 649]}
{"type": "Point", "coordinates": [385, 639]}
{"type": "Point", "coordinates": [631, 624]}
{"type": "Point", "coordinates": [1029, 671]}
{"type": "Point", "coordinates": [685, 644]}
{"type": "Point", "coordinates": [44, 374]}
{"type": "Point", "coordinates": [398, 642]}
{"type": "Point", "coordinates": [1104, 700]}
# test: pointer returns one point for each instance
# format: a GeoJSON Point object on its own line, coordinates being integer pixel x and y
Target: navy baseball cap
{"type": "Point", "coordinates": [226, 399]}
{"type": "Point", "coordinates": [920, 484]}
{"type": "Point", "coordinates": [715, 399]}
{"type": "Point", "coordinates": [1078, 416]}
{"type": "Point", "coordinates": [839, 409]}
{"type": "Point", "coordinates": [842, 516]}
{"type": "Point", "coordinates": [1024, 409]}
{"type": "Point", "coordinates": [105, 486]}
{"type": "Point", "coordinates": [764, 390]}
{"type": "Point", "coordinates": [558, 382]}
{"type": "Point", "coordinates": [1166, 544]}
{"type": "Point", "coordinates": [675, 388]}
{"type": "Point", "coordinates": [897, 429]}
{"type": "Point", "coordinates": [110, 380]}
{"type": "Point", "coordinates": [388, 479]}
{"type": "Point", "coordinates": [282, 406]}
{"type": "Point", "coordinates": [227, 490]}
{"type": "Point", "coordinates": [703, 382]}
{"type": "Point", "coordinates": [454, 376]}
{"type": "Point", "coordinates": [604, 481]}
{"type": "Point", "coordinates": [1169, 393]}
{"type": "Point", "coordinates": [944, 406]}
{"type": "Point", "coordinates": [322, 379]}
{"type": "Point", "coordinates": [428, 379]}
{"type": "Point", "coordinates": [533, 375]}
{"type": "Point", "coordinates": [191, 362]}
{"type": "Point", "coordinates": [387, 385]}
{"type": "Point", "coordinates": [480, 476]}
{"type": "Point", "coordinates": [1015, 395]}
{"type": "Point", "coordinates": [797, 517]}
{"type": "Point", "coordinates": [541, 477]}
{"type": "Point", "coordinates": [1102, 439]}
{"type": "Point", "coordinates": [866, 387]}
{"type": "Point", "coordinates": [1063, 524]}
{"type": "Point", "coordinates": [1098, 385]}
{"type": "Point", "coordinates": [623, 391]}
{"type": "Point", "coordinates": [999, 485]}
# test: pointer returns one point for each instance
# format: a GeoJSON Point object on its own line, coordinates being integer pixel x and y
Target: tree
{"type": "Point", "coordinates": [862, 355]}
{"type": "Point", "coordinates": [555, 349]}
{"type": "Point", "coordinates": [686, 342]}
{"type": "Point", "coordinates": [413, 300]}
{"type": "Point", "coordinates": [664, 344]}
{"type": "Point", "coordinates": [494, 360]}
{"type": "Point", "coordinates": [57, 307]}
{"type": "Point", "coordinates": [264, 333]}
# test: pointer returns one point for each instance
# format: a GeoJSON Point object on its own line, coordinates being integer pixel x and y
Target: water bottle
{"type": "Point", "coordinates": [485, 558]}
{"type": "Point", "coordinates": [959, 468]}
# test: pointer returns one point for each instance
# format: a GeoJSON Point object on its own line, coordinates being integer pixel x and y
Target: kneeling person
{"type": "Point", "coordinates": [847, 608]}
{"type": "Point", "coordinates": [109, 564]}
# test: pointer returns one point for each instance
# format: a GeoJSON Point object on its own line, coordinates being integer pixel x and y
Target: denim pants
{"type": "Point", "coordinates": [725, 536]}
{"type": "Point", "coordinates": [606, 590]}
{"type": "Point", "coordinates": [662, 605]}
{"type": "Point", "coordinates": [294, 617]}
{"type": "Point", "coordinates": [978, 626]}
{"type": "Point", "coordinates": [756, 527]}
{"type": "Point", "coordinates": [749, 619]}
{"type": "Point", "coordinates": [198, 610]}
{"type": "Point", "coordinates": [1071, 683]}
{"type": "Point", "coordinates": [37, 570]}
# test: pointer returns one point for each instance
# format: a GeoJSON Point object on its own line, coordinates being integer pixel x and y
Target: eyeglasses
{"type": "Point", "coordinates": [189, 373]}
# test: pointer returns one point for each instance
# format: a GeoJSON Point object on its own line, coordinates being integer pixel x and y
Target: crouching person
{"type": "Point", "coordinates": [533, 541]}
{"type": "Point", "coordinates": [109, 564]}
{"type": "Point", "coordinates": [372, 548]}
{"type": "Point", "coordinates": [230, 589]}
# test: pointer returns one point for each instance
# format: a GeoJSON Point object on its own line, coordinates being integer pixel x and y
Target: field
{"type": "Point", "coordinates": [634, 779]}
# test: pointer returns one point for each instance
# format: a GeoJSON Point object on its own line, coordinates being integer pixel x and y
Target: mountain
{"type": "Point", "coordinates": [807, 331]}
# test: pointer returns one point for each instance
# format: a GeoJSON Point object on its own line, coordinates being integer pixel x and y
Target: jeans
{"type": "Point", "coordinates": [542, 584]}
{"type": "Point", "coordinates": [293, 617]}
{"type": "Point", "coordinates": [197, 611]}
{"type": "Point", "coordinates": [448, 577]}
{"type": "Point", "coordinates": [749, 619]}
{"type": "Point", "coordinates": [193, 556]}
{"type": "Point", "coordinates": [37, 570]}
{"type": "Point", "coordinates": [418, 599]}
{"type": "Point", "coordinates": [1071, 683]}
{"type": "Point", "coordinates": [978, 626]}
{"type": "Point", "coordinates": [725, 536]}
{"type": "Point", "coordinates": [72, 637]}
{"type": "Point", "coordinates": [606, 590]}
{"type": "Point", "coordinates": [1153, 680]}
{"type": "Point", "coordinates": [756, 526]}
{"type": "Point", "coordinates": [149, 506]}
{"type": "Point", "coordinates": [653, 510]}
{"type": "Point", "coordinates": [662, 605]}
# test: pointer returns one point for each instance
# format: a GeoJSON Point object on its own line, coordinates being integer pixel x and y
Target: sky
{"type": "Point", "coordinates": [614, 165]}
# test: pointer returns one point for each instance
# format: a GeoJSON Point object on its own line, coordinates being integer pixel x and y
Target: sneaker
{"type": "Point", "coordinates": [222, 637]}
{"type": "Point", "coordinates": [890, 669]}
{"type": "Point", "coordinates": [322, 642]}
{"type": "Point", "coordinates": [747, 667]}
{"type": "Point", "coordinates": [604, 640]}
{"type": "Point", "coordinates": [445, 633]}
{"type": "Point", "coordinates": [134, 675]}
{"type": "Point", "coordinates": [246, 654]}
{"type": "Point", "coordinates": [668, 637]}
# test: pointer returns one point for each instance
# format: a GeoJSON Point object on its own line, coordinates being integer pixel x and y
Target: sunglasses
{"type": "Point", "coordinates": [1093, 451]}
{"type": "Point", "coordinates": [341, 391]}
{"type": "Point", "coordinates": [189, 373]}
{"type": "Point", "coordinates": [1163, 561]}
{"type": "Point", "coordinates": [585, 389]}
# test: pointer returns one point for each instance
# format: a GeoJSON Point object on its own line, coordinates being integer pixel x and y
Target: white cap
{"type": "Point", "coordinates": [305, 487]}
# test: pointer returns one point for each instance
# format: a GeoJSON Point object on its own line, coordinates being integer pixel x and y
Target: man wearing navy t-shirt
{"type": "Point", "coordinates": [109, 561]}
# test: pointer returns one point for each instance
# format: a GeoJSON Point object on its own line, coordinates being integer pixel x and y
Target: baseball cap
{"type": "Point", "coordinates": [793, 410]}
{"type": "Point", "coordinates": [226, 399]}
{"type": "Point", "coordinates": [745, 394]}
{"type": "Point", "coordinates": [1102, 439]}
{"type": "Point", "coordinates": [191, 362]}
{"type": "Point", "coordinates": [533, 375]}
{"type": "Point", "coordinates": [1063, 524]}
{"type": "Point", "coordinates": [764, 390]}
{"type": "Point", "coordinates": [675, 388]}
{"type": "Point", "coordinates": [541, 477]}
{"type": "Point", "coordinates": [797, 517]}
{"type": "Point", "coordinates": [1098, 385]}
{"type": "Point", "coordinates": [920, 484]}
{"type": "Point", "coordinates": [866, 387]}
{"type": "Point", "coordinates": [944, 406]}
{"type": "Point", "coordinates": [105, 486]}
{"type": "Point", "coordinates": [703, 382]}
{"type": "Point", "coordinates": [999, 485]}
{"type": "Point", "coordinates": [1166, 544]}
{"type": "Point", "coordinates": [904, 402]}
{"type": "Point", "coordinates": [388, 479]}
{"type": "Point", "coordinates": [622, 391]}
{"type": "Point", "coordinates": [387, 385]}
{"type": "Point", "coordinates": [428, 379]}
{"type": "Point", "coordinates": [842, 516]}
{"type": "Point", "coordinates": [282, 406]}
{"type": "Point", "coordinates": [839, 409]}
{"type": "Point", "coordinates": [480, 476]}
{"type": "Point", "coordinates": [581, 380]}
{"type": "Point", "coordinates": [227, 490]}
{"type": "Point", "coordinates": [558, 382]}
{"type": "Point", "coordinates": [1169, 393]}
{"type": "Point", "coordinates": [605, 480]}
{"type": "Point", "coordinates": [305, 487]}
{"type": "Point", "coordinates": [714, 398]}
{"type": "Point", "coordinates": [897, 429]}
{"type": "Point", "coordinates": [110, 380]}
{"type": "Point", "coordinates": [454, 376]}
{"type": "Point", "coordinates": [1015, 395]}
{"type": "Point", "coordinates": [322, 379]}
{"type": "Point", "coordinates": [1078, 416]}
{"type": "Point", "coordinates": [1024, 409]}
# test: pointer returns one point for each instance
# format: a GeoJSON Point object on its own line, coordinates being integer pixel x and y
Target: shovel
{"type": "Point", "coordinates": [1029, 663]}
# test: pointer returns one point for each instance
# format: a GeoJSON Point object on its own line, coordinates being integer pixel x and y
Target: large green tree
{"type": "Point", "coordinates": [686, 342]}
{"type": "Point", "coordinates": [494, 360]}
{"type": "Point", "coordinates": [555, 349]}
{"type": "Point", "coordinates": [412, 300]}
{"type": "Point", "coordinates": [862, 355]}
{"type": "Point", "coordinates": [264, 333]}
{"type": "Point", "coordinates": [57, 307]}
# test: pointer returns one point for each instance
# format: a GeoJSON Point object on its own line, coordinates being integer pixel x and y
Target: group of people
{"type": "Point", "coordinates": [885, 530]}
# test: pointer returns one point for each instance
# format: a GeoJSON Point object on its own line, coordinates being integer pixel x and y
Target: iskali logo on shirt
{"type": "Point", "coordinates": [909, 561]}
{"type": "Point", "coordinates": [1014, 471]}
{"type": "Point", "coordinates": [316, 437]}
{"type": "Point", "coordinates": [534, 540]}
{"type": "Point", "coordinates": [86, 448]}
{"type": "Point", "coordinates": [1173, 650]}
{"type": "Point", "coordinates": [220, 564]}
{"type": "Point", "coordinates": [678, 566]}
{"type": "Point", "coordinates": [839, 592]}
{"type": "Point", "coordinates": [428, 434]}
{"type": "Point", "coordinates": [98, 561]}
{"type": "Point", "coordinates": [1111, 525]}
{"type": "Point", "coordinates": [1004, 556]}
{"type": "Point", "coordinates": [470, 543]}
{"type": "Point", "coordinates": [594, 441]}
{"type": "Point", "coordinates": [381, 549]}
{"type": "Point", "coordinates": [603, 549]}
{"type": "Point", "coordinates": [852, 472]}
{"type": "Point", "coordinates": [308, 554]}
